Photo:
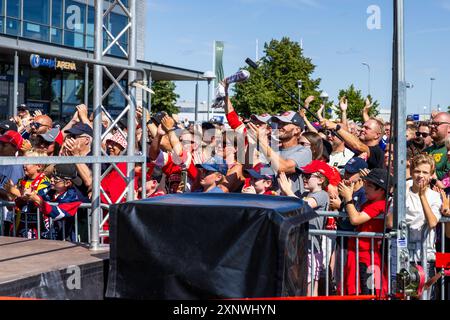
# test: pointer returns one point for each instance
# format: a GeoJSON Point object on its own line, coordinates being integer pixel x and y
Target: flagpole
{"type": "Point", "coordinates": [214, 70]}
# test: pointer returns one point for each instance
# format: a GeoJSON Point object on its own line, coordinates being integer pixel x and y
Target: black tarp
{"type": "Point", "coordinates": [207, 246]}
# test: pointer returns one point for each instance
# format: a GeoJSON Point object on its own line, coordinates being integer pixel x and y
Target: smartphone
{"type": "Point", "coordinates": [157, 117]}
{"type": "Point", "coordinates": [184, 179]}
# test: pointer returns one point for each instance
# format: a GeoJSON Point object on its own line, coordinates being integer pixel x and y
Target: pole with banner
{"type": "Point", "coordinates": [218, 61]}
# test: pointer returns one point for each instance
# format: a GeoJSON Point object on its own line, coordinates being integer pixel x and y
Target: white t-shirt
{"type": "Point", "coordinates": [340, 159]}
{"type": "Point", "coordinates": [416, 221]}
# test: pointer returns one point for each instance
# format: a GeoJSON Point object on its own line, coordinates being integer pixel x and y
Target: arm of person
{"type": "Point", "coordinates": [350, 140]}
{"type": "Point", "coordinates": [302, 113]}
{"type": "Point", "coordinates": [230, 113]}
{"type": "Point", "coordinates": [155, 147]}
{"type": "Point", "coordinates": [430, 217]}
{"type": "Point", "coordinates": [311, 202]}
{"type": "Point", "coordinates": [343, 104]}
{"type": "Point", "coordinates": [278, 163]}
{"type": "Point", "coordinates": [233, 180]}
{"type": "Point", "coordinates": [85, 174]}
{"type": "Point", "coordinates": [356, 218]}
{"type": "Point", "coordinates": [365, 113]}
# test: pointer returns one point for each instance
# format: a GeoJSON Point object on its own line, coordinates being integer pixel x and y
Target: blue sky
{"type": "Point", "coordinates": [334, 35]}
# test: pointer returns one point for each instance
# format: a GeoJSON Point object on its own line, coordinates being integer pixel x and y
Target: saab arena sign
{"type": "Point", "coordinates": [37, 61]}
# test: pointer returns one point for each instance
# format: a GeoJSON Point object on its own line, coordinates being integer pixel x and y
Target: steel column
{"type": "Point", "coordinates": [98, 88]}
{"type": "Point", "coordinates": [16, 84]}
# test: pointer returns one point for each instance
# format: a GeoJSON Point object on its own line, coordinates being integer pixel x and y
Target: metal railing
{"type": "Point", "coordinates": [38, 221]}
{"type": "Point", "coordinates": [334, 257]}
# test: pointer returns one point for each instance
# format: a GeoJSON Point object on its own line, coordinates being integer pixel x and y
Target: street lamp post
{"type": "Point", "coordinates": [431, 93]}
{"type": "Point", "coordinates": [299, 84]}
{"type": "Point", "coordinates": [208, 75]}
{"type": "Point", "coordinates": [368, 85]}
{"type": "Point", "coordinates": [324, 96]}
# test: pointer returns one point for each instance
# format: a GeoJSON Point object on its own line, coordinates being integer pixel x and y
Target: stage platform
{"type": "Point", "coordinates": [46, 269]}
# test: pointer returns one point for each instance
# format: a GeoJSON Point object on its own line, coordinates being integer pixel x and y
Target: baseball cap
{"type": "Point", "coordinates": [12, 137]}
{"type": "Point", "coordinates": [23, 107]}
{"type": "Point", "coordinates": [265, 117]}
{"type": "Point", "coordinates": [216, 167]}
{"type": "Point", "coordinates": [6, 125]}
{"type": "Point", "coordinates": [50, 135]}
{"type": "Point", "coordinates": [290, 117]}
{"type": "Point", "coordinates": [378, 177]}
{"type": "Point", "coordinates": [118, 138]}
{"type": "Point", "coordinates": [68, 172]}
{"type": "Point", "coordinates": [323, 168]}
{"type": "Point", "coordinates": [355, 164]}
{"type": "Point", "coordinates": [79, 129]}
{"type": "Point", "coordinates": [261, 171]}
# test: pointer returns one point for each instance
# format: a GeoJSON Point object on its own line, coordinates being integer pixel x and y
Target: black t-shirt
{"type": "Point", "coordinates": [376, 159]}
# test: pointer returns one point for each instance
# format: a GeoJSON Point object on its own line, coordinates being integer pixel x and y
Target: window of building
{"type": "Point", "coordinates": [75, 16]}
{"type": "Point", "coordinates": [74, 39]}
{"type": "Point", "coordinates": [12, 26]}
{"type": "Point", "coordinates": [56, 35]}
{"type": "Point", "coordinates": [38, 85]}
{"type": "Point", "coordinates": [13, 8]}
{"type": "Point", "coordinates": [35, 31]}
{"type": "Point", "coordinates": [36, 11]}
{"type": "Point", "coordinates": [57, 13]}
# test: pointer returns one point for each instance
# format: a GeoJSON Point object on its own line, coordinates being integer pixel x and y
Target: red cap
{"type": "Point", "coordinates": [12, 137]}
{"type": "Point", "coordinates": [323, 168]}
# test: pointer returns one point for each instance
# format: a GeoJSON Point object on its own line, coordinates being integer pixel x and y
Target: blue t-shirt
{"type": "Point", "coordinates": [215, 190]}
{"type": "Point", "coordinates": [10, 172]}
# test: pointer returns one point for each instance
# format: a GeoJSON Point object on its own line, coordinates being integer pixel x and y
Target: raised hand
{"type": "Point", "coordinates": [83, 112]}
{"type": "Point", "coordinates": [249, 190]}
{"type": "Point", "coordinates": [11, 188]}
{"type": "Point", "coordinates": [320, 112]}
{"type": "Point", "coordinates": [167, 123]}
{"type": "Point", "coordinates": [345, 191]}
{"type": "Point", "coordinates": [367, 106]}
{"type": "Point", "coordinates": [308, 101]}
{"type": "Point", "coordinates": [445, 207]}
{"type": "Point", "coordinates": [343, 103]}
{"type": "Point", "coordinates": [285, 185]}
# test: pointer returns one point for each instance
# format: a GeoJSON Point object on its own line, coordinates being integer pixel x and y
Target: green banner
{"type": "Point", "coordinates": [218, 54]}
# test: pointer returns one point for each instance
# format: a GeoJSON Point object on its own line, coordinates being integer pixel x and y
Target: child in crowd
{"type": "Point", "coordinates": [36, 181]}
{"type": "Point", "coordinates": [423, 213]}
{"type": "Point", "coordinates": [66, 196]}
{"type": "Point", "coordinates": [260, 181]}
{"type": "Point", "coordinates": [211, 175]}
{"type": "Point", "coordinates": [315, 178]}
{"type": "Point", "coordinates": [375, 185]}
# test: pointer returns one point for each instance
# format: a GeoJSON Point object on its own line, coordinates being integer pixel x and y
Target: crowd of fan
{"type": "Point", "coordinates": [335, 165]}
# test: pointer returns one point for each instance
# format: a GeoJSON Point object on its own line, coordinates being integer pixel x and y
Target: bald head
{"type": "Point", "coordinates": [440, 127]}
{"type": "Point", "coordinates": [42, 124]}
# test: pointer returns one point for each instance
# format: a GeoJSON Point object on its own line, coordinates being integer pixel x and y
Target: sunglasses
{"type": "Point", "coordinates": [37, 125]}
{"type": "Point", "coordinates": [437, 124]}
{"type": "Point", "coordinates": [423, 134]}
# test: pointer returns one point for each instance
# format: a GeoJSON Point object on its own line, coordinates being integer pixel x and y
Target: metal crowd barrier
{"type": "Point", "coordinates": [333, 249]}
{"type": "Point", "coordinates": [88, 206]}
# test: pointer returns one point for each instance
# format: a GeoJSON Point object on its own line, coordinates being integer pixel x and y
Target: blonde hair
{"type": "Point", "coordinates": [423, 159]}
{"type": "Point", "coordinates": [380, 123]}
{"type": "Point", "coordinates": [35, 153]}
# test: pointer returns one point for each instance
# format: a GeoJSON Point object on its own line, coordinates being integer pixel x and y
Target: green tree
{"type": "Point", "coordinates": [284, 62]}
{"type": "Point", "coordinates": [165, 97]}
{"type": "Point", "coordinates": [356, 104]}
{"type": "Point", "coordinates": [448, 109]}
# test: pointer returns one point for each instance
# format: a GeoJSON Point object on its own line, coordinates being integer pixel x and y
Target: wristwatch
{"type": "Point", "coordinates": [350, 202]}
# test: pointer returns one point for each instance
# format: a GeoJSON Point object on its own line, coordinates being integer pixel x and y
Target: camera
{"type": "Point", "coordinates": [157, 117]}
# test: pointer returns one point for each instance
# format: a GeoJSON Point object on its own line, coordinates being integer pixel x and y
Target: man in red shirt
{"type": "Point", "coordinates": [375, 184]}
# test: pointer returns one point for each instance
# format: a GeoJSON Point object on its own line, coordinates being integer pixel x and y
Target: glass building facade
{"type": "Point", "coordinates": [68, 23]}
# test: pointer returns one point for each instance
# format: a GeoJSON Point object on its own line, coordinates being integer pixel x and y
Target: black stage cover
{"type": "Point", "coordinates": [209, 246]}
